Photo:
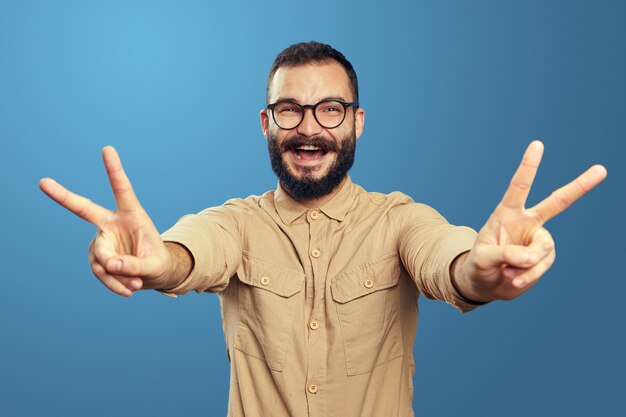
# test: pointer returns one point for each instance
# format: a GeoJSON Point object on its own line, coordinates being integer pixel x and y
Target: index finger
{"type": "Point", "coordinates": [120, 184]}
{"type": "Point", "coordinates": [565, 196]}
{"type": "Point", "coordinates": [77, 204]}
{"type": "Point", "coordinates": [517, 193]}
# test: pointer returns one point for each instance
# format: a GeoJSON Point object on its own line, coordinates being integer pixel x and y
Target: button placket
{"type": "Point", "coordinates": [316, 335]}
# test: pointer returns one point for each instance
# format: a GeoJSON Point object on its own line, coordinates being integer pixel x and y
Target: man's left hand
{"type": "Point", "coordinates": [513, 249]}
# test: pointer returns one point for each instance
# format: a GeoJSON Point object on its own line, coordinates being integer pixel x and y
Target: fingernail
{"type": "Point", "coordinates": [531, 257]}
{"type": "Point", "coordinates": [518, 282]}
{"type": "Point", "coordinates": [136, 284]}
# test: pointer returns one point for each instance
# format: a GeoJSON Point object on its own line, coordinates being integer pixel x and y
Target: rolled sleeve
{"type": "Point", "coordinates": [214, 241]}
{"type": "Point", "coordinates": [428, 245]}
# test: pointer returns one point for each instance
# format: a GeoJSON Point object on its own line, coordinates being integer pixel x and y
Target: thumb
{"type": "Point", "coordinates": [492, 256]}
{"type": "Point", "coordinates": [133, 266]}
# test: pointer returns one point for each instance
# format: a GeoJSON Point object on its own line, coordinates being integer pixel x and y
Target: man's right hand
{"type": "Point", "coordinates": [127, 253]}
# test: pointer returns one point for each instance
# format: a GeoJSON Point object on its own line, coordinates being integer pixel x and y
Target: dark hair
{"type": "Point", "coordinates": [311, 52]}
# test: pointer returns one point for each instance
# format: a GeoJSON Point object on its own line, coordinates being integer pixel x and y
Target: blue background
{"type": "Point", "coordinates": [453, 92]}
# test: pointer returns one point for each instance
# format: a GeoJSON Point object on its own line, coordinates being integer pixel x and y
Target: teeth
{"type": "Point", "coordinates": [308, 148]}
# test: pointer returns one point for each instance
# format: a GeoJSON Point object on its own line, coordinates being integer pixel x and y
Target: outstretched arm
{"type": "Point", "coordinates": [513, 249]}
{"type": "Point", "coordinates": [127, 253]}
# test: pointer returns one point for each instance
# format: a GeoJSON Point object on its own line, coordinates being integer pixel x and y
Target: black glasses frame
{"type": "Point", "coordinates": [313, 108]}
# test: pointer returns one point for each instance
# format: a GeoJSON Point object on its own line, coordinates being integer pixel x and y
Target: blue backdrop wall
{"type": "Point", "coordinates": [453, 92]}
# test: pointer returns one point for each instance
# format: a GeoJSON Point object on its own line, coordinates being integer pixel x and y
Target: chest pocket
{"type": "Point", "coordinates": [365, 298]}
{"type": "Point", "coordinates": [268, 296]}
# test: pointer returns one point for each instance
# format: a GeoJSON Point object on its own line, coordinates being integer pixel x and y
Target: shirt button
{"type": "Point", "coordinates": [316, 253]}
{"type": "Point", "coordinates": [314, 324]}
{"type": "Point", "coordinates": [368, 283]}
{"type": "Point", "coordinates": [312, 388]}
{"type": "Point", "coordinates": [314, 214]}
{"type": "Point", "coordinates": [265, 280]}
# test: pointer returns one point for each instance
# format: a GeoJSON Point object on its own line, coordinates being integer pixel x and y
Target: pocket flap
{"type": "Point", "coordinates": [365, 279]}
{"type": "Point", "coordinates": [270, 277]}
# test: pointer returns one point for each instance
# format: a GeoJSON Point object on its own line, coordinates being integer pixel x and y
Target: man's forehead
{"type": "Point", "coordinates": [317, 80]}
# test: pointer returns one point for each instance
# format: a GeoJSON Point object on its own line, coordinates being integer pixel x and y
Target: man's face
{"type": "Point", "coordinates": [310, 160]}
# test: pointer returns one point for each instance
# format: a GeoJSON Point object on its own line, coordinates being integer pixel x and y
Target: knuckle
{"type": "Point", "coordinates": [116, 287]}
{"type": "Point", "coordinates": [91, 250]}
{"type": "Point", "coordinates": [534, 276]}
{"type": "Point", "coordinates": [95, 268]}
{"type": "Point", "coordinates": [99, 256]}
{"type": "Point", "coordinates": [559, 200]}
{"type": "Point", "coordinates": [122, 189]}
{"type": "Point", "coordinates": [479, 261]}
{"type": "Point", "coordinates": [548, 246]}
{"type": "Point", "coordinates": [520, 185]}
{"type": "Point", "coordinates": [113, 283]}
{"type": "Point", "coordinates": [479, 264]}
{"type": "Point", "coordinates": [83, 211]}
{"type": "Point", "coordinates": [549, 261]}
{"type": "Point", "coordinates": [130, 267]}
{"type": "Point", "coordinates": [509, 254]}
{"type": "Point", "coordinates": [99, 272]}
{"type": "Point", "coordinates": [580, 185]}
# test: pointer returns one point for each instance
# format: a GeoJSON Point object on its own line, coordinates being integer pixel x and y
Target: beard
{"type": "Point", "coordinates": [308, 187]}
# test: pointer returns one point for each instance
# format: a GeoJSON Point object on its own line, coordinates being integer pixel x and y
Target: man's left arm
{"type": "Point", "coordinates": [427, 246]}
{"type": "Point", "coordinates": [513, 249]}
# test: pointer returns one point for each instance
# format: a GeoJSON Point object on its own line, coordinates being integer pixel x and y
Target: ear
{"type": "Point", "coordinates": [265, 122]}
{"type": "Point", "coordinates": [359, 121]}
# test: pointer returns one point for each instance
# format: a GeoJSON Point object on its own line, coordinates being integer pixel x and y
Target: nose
{"type": "Point", "coordinates": [309, 126]}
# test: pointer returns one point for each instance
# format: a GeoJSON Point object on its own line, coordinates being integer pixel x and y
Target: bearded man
{"type": "Point", "coordinates": [319, 279]}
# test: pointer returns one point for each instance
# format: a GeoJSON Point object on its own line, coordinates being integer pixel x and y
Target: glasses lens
{"type": "Point", "coordinates": [287, 115]}
{"type": "Point", "coordinates": [330, 113]}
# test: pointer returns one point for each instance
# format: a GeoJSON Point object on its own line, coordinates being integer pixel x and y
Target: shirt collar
{"type": "Point", "coordinates": [336, 208]}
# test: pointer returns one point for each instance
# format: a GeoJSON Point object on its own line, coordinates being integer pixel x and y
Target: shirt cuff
{"type": "Point", "coordinates": [461, 241]}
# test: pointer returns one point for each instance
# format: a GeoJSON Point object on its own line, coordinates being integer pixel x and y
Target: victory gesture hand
{"type": "Point", "coordinates": [513, 249]}
{"type": "Point", "coordinates": [127, 253]}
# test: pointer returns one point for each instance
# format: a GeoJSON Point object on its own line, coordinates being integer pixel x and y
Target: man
{"type": "Point", "coordinates": [319, 279]}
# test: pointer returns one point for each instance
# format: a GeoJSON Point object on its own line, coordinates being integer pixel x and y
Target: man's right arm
{"type": "Point", "coordinates": [181, 267]}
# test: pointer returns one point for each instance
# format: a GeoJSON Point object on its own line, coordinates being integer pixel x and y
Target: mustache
{"type": "Point", "coordinates": [317, 141]}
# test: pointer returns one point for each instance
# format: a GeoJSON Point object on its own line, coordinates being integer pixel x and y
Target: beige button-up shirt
{"type": "Point", "coordinates": [319, 306]}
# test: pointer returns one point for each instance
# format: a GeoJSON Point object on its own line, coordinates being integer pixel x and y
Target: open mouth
{"type": "Point", "coordinates": [308, 152]}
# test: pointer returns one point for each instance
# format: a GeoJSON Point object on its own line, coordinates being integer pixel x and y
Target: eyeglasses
{"type": "Point", "coordinates": [328, 113]}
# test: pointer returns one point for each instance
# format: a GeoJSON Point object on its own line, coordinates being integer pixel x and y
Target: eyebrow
{"type": "Point", "coordinates": [293, 100]}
